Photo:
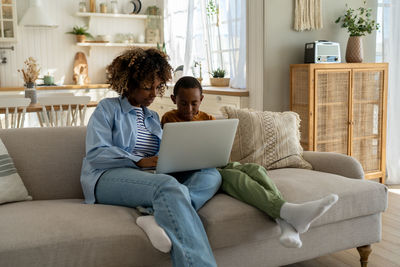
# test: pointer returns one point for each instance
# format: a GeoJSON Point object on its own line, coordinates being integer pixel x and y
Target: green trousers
{"type": "Point", "coordinates": [250, 183]}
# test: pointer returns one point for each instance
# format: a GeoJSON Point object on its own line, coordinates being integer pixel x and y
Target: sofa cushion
{"type": "Point", "coordinates": [270, 139]}
{"type": "Point", "coordinates": [11, 186]}
{"type": "Point", "coordinates": [96, 235]}
{"type": "Point", "coordinates": [108, 235]}
{"type": "Point", "coordinates": [48, 159]}
{"type": "Point", "coordinates": [227, 217]}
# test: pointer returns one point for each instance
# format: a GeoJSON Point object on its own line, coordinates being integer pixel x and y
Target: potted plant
{"type": "Point", "coordinates": [81, 33]}
{"type": "Point", "coordinates": [358, 22]}
{"type": "Point", "coordinates": [218, 78]}
{"type": "Point", "coordinates": [30, 74]}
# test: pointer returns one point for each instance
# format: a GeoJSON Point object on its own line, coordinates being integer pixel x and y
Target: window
{"type": "Point", "coordinates": [382, 34]}
{"type": "Point", "coordinates": [210, 32]}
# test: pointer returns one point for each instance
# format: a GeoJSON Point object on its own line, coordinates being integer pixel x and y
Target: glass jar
{"type": "Point", "coordinates": [114, 7]}
{"type": "Point", "coordinates": [82, 6]}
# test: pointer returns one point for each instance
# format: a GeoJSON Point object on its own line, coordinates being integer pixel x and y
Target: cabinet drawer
{"type": "Point", "coordinates": [212, 103]}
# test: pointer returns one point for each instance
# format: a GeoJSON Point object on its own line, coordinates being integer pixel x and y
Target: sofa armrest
{"type": "Point", "coordinates": [335, 163]}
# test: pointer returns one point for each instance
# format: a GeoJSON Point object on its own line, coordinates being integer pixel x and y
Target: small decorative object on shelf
{"type": "Point", "coordinates": [103, 8]}
{"type": "Point", "coordinates": [358, 22]}
{"type": "Point", "coordinates": [218, 78]}
{"type": "Point", "coordinates": [114, 6]}
{"type": "Point", "coordinates": [92, 5]}
{"type": "Point", "coordinates": [82, 6]}
{"type": "Point", "coordinates": [81, 33]}
{"type": "Point", "coordinates": [30, 74]}
{"type": "Point", "coordinates": [137, 6]}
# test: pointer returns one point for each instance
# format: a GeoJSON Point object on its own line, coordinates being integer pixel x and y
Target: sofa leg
{"type": "Point", "coordinates": [364, 252]}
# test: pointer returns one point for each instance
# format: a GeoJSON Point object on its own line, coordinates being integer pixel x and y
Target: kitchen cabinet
{"type": "Point", "coordinates": [8, 21]}
{"type": "Point", "coordinates": [342, 108]}
{"type": "Point", "coordinates": [212, 102]}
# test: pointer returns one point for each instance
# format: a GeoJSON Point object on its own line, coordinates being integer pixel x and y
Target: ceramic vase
{"type": "Point", "coordinates": [354, 50]}
{"type": "Point", "coordinates": [30, 92]}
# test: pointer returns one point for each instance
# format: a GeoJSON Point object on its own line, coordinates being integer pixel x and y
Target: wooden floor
{"type": "Point", "coordinates": [384, 254]}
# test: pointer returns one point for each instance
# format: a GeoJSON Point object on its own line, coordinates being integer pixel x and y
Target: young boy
{"type": "Point", "coordinates": [187, 96]}
{"type": "Point", "coordinates": [250, 182]}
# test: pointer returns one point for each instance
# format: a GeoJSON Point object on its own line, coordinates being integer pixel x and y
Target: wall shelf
{"type": "Point", "coordinates": [110, 15]}
{"type": "Point", "coordinates": [90, 45]}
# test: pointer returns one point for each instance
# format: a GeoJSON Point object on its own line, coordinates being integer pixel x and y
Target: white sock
{"type": "Point", "coordinates": [289, 236]}
{"type": "Point", "coordinates": [158, 238]}
{"type": "Point", "coordinates": [300, 216]}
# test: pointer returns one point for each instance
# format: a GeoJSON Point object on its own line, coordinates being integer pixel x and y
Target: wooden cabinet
{"type": "Point", "coordinates": [343, 109]}
{"type": "Point", "coordinates": [8, 21]}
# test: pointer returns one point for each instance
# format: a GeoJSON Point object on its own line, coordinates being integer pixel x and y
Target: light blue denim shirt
{"type": "Point", "coordinates": [110, 139]}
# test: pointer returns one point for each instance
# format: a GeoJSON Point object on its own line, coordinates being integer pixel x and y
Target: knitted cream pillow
{"type": "Point", "coordinates": [270, 139]}
{"type": "Point", "coordinates": [11, 186]}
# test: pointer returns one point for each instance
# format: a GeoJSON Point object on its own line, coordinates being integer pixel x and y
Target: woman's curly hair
{"type": "Point", "coordinates": [137, 68]}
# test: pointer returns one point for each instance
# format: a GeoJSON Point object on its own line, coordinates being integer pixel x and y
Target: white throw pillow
{"type": "Point", "coordinates": [11, 186]}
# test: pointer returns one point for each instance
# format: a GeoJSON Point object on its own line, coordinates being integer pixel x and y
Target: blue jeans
{"type": "Point", "coordinates": [174, 198]}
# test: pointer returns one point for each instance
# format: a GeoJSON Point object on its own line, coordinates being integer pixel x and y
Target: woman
{"type": "Point", "coordinates": [122, 141]}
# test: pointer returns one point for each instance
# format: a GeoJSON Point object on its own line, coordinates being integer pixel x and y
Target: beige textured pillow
{"type": "Point", "coordinates": [11, 186]}
{"type": "Point", "coordinates": [270, 139]}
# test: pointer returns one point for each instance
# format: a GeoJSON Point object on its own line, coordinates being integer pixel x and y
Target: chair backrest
{"type": "Point", "coordinates": [63, 110]}
{"type": "Point", "coordinates": [18, 95]}
{"type": "Point", "coordinates": [45, 94]}
{"type": "Point", "coordinates": [16, 118]}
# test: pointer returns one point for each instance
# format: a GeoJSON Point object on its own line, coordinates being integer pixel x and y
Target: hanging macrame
{"type": "Point", "coordinates": [307, 15]}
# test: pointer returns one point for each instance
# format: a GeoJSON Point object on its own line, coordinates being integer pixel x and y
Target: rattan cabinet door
{"type": "Point", "coordinates": [367, 118]}
{"type": "Point", "coordinates": [331, 131]}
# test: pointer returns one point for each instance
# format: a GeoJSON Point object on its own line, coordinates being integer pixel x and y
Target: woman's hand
{"type": "Point", "coordinates": [147, 162]}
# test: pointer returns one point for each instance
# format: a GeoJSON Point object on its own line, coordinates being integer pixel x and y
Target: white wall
{"type": "Point", "coordinates": [284, 46]}
{"type": "Point", "coordinates": [56, 50]}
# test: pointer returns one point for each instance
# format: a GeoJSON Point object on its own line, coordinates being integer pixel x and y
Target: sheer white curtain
{"type": "Point", "coordinates": [392, 55]}
{"type": "Point", "coordinates": [237, 39]}
{"type": "Point", "coordinates": [184, 34]}
{"type": "Point", "coordinates": [186, 37]}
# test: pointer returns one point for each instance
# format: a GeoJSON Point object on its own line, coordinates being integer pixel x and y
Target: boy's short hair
{"type": "Point", "coordinates": [187, 82]}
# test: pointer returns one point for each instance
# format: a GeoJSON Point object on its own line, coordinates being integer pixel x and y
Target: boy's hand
{"type": "Point", "coordinates": [147, 162]}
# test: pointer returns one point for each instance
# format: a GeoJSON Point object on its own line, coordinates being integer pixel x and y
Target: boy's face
{"type": "Point", "coordinates": [188, 102]}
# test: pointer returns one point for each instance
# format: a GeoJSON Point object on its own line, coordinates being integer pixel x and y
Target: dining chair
{"type": "Point", "coordinates": [63, 110]}
{"type": "Point", "coordinates": [13, 109]}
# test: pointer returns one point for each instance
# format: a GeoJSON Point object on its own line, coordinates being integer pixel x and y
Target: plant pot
{"type": "Point", "coordinates": [354, 50]}
{"type": "Point", "coordinates": [220, 81]}
{"type": "Point", "coordinates": [80, 38]}
{"type": "Point", "coordinates": [30, 92]}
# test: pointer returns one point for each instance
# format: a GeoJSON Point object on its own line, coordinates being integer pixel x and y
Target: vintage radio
{"type": "Point", "coordinates": [322, 52]}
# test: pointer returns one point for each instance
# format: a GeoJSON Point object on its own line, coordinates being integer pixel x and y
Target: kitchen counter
{"type": "Point", "coordinates": [58, 87]}
{"type": "Point", "coordinates": [212, 90]}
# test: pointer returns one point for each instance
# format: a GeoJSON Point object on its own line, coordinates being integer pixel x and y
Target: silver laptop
{"type": "Point", "coordinates": [196, 145]}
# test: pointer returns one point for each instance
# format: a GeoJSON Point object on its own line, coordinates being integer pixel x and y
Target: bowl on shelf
{"type": "Point", "coordinates": [104, 38]}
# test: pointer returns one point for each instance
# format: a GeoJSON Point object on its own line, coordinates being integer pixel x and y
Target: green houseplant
{"type": "Point", "coordinates": [81, 33]}
{"type": "Point", "coordinates": [358, 22]}
{"type": "Point", "coordinates": [218, 78]}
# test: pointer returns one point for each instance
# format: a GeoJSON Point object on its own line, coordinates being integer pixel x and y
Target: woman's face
{"type": "Point", "coordinates": [145, 95]}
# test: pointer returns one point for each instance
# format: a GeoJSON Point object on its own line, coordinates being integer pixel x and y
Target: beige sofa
{"type": "Point", "coordinates": [57, 229]}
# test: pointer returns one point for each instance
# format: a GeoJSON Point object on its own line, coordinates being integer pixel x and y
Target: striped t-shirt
{"type": "Point", "coordinates": [147, 144]}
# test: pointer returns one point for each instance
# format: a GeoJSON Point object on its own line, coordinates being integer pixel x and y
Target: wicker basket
{"type": "Point", "coordinates": [219, 81]}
